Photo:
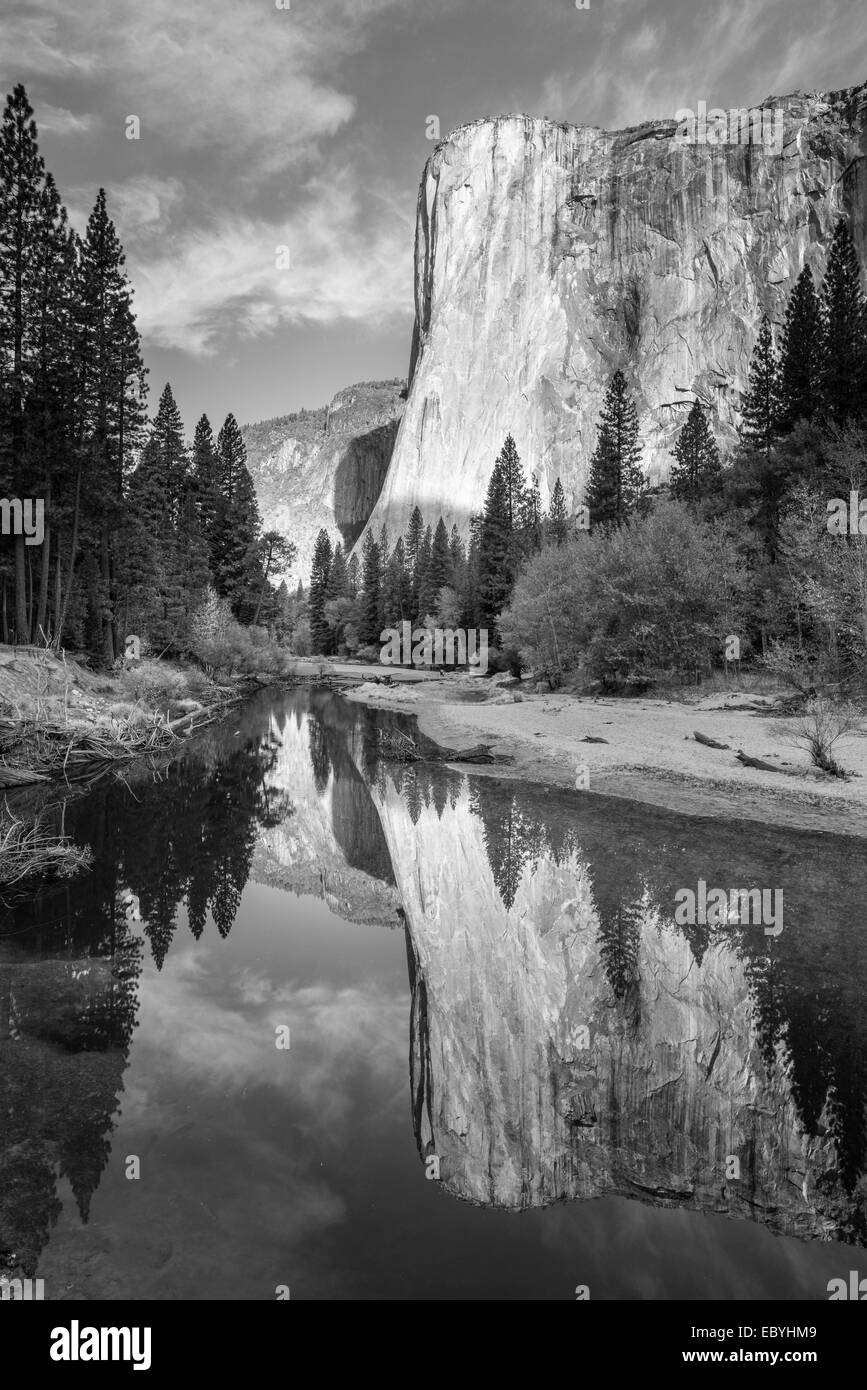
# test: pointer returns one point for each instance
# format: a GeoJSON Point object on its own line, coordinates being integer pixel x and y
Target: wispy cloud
{"type": "Point", "coordinates": [206, 284]}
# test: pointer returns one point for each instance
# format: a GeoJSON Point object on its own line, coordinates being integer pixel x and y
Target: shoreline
{"type": "Point", "coordinates": [649, 755]}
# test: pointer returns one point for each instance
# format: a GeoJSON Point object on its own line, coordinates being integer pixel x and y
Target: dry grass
{"type": "Point", "coordinates": [71, 750]}
{"type": "Point", "coordinates": [27, 851]}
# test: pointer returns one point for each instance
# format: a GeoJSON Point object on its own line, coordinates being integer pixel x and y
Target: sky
{"type": "Point", "coordinates": [267, 207]}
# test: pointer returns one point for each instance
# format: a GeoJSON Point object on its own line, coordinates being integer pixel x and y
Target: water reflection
{"type": "Point", "coordinates": [707, 1044]}
{"type": "Point", "coordinates": [567, 1038]}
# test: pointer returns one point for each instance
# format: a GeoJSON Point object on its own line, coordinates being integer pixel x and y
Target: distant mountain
{"type": "Point", "coordinates": [325, 467]}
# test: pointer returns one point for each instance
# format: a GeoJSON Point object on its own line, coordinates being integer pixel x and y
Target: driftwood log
{"type": "Point", "coordinates": [758, 762]}
{"type": "Point", "coordinates": [708, 742]}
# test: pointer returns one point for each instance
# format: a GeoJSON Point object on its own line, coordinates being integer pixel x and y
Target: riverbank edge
{"type": "Point", "coordinates": [728, 793]}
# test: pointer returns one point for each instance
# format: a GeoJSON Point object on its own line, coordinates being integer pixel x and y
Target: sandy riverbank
{"type": "Point", "coordinates": [650, 754]}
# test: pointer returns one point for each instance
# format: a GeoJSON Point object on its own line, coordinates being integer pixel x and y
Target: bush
{"type": "Point", "coordinates": [656, 596]}
{"type": "Point", "coordinates": [153, 684]}
{"type": "Point", "coordinates": [820, 727]}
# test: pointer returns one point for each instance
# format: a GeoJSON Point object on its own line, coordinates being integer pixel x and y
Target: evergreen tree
{"type": "Point", "coordinates": [532, 518]}
{"type": "Point", "coordinates": [616, 480]}
{"type": "Point", "coordinates": [696, 471]}
{"type": "Point", "coordinates": [422, 561]}
{"type": "Point", "coordinates": [234, 555]}
{"type": "Point", "coordinates": [112, 393]}
{"type": "Point", "coordinates": [436, 573]}
{"type": "Point", "coordinates": [371, 599]}
{"type": "Point", "coordinates": [495, 551]}
{"type": "Point", "coordinates": [49, 444]}
{"type": "Point", "coordinates": [206, 475]}
{"type": "Point", "coordinates": [762, 407]}
{"type": "Point", "coordinates": [21, 175]}
{"type": "Point", "coordinates": [412, 544]}
{"type": "Point", "coordinates": [801, 364]}
{"type": "Point", "coordinates": [558, 520]}
{"type": "Point", "coordinates": [384, 548]}
{"type": "Point", "coordinates": [845, 331]}
{"type": "Point", "coordinates": [161, 519]}
{"type": "Point", "coordinates": [397, 589]}
{"type": "Point", "coordinates": [338, 579]}
{"type": "Point", "coordinates": [469, 592]}
{"type": "Point", "coordinates": [515, 489]}
{"type": "Point", "coordinates": [320, 573]}
{"type": "Point", "coordinates": [353, 573]}
{"type": "Point", "coordinates": [276, 552]}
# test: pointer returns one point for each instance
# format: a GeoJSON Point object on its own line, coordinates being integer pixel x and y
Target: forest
{"type": "Point", "coordinates": [145, 533]}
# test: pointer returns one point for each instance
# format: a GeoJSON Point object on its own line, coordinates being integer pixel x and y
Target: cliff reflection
{"type": "Point", "coordinates": [537, 921]}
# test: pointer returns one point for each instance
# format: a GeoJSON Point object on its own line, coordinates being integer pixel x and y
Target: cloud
{"type": "Point", "coordinates": [57, 120]}
{"type": "Point", "coordinates": [197, 75]}
{"type": "Point", "coordinates": [209, 283]}
{"type": "Point", "coordinates": [342, 1038]}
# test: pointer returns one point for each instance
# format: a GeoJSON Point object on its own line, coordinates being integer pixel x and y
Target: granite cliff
{"type": "Point", "coordinates": [548, 255]}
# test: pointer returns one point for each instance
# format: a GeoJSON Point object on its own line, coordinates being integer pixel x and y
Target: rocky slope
{"type": "Point", "coordinates": [324, 467]}
{"type": "Point", "coordinates": [548, 255]}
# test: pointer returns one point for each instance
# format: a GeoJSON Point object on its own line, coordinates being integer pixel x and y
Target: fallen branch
{"type": "Point", "coordinates": [708, 742]}
{"type": "Point", "coordinates": [758, 762]}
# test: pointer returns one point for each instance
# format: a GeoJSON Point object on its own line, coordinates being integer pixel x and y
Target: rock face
{"type": "Point", "coordinates": [549, 255]}
{"type": "Point", "coordinates": [569, 1040]}
{"type": "Point", "coordinates": [325, 467]}
{"type": "Point", "coordinates": [331, 844]}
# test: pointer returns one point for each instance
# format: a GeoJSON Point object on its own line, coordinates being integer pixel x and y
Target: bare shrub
{"type": "Point", "coordinates": [821, 725]}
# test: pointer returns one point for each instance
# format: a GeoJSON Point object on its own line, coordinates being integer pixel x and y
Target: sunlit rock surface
{"type": "Point", "coordinates": [549, 255]}
{"type": "Point", "coordinates": [324, 468]}
{"type": "Point", "coordinates": [672, 1079]}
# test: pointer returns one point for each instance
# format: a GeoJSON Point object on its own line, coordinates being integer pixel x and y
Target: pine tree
{"type": "Point", "coordinates": [397, 588]}
{"type": "Point", "coordinates": [384, 543]}
{"type": "Point", "coordinates": [558, 521]}
{"type": "Point", "coordinates": [353, 574]}
{"type": "Point", "coordinates": [436, 573]}
{"type": "Point", "coordinates": [338, 579]}
{"type": "Point", "coordinates": [234, 555]}
{"type": "Point", "coordinates": [515, 489]}
{"type": "Point", "coordinates": [762, 407]}
{"type": "Point", "coordinates": [801, 364]}
{"type": "Point", "coordinates": [275, 552]}
{"type": "Point", "coordinates": [495, 546]}
{"type": "Point", "coordinates": [49, 444]}
{"type": "Point", "coordinates": [206, 476]}
{"type": "Point", "coordinates": [320, 635]}
{"type": "Point", "coordinates": [697, 468]}
{"type": "Point", "coordinates": [616, 480]}
{"type": "Point", "coordinates": [21, 175]}
{"type": "Point", "coordinates": [532, 518]}
{"type": "Point", "coordinates": [412, 544]}
{"type": "Point", "coordinates": [371, 598]}
{"type": "Point", "coordinates": [844, 317]}
{"type": "Point", "coordinates": [422, 561]}
{"type": "Point", "coordinates": [112, 395]}
{"type": "Point", "coordinates": [160, 524]}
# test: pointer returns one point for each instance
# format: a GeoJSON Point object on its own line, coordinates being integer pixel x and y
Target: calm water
{"type": "Point", "coordinates": [509, 1071]}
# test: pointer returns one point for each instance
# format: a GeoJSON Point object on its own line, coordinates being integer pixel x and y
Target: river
{"type": "Point", "coordinates": [321, 1026]}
